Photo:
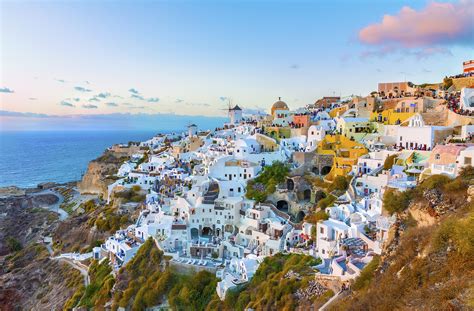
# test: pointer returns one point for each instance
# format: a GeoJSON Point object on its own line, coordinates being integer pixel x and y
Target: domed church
{"type": "Point", "coordinates": [279, 105]}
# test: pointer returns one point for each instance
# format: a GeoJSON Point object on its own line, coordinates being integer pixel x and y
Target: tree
{"type": "Point", "coordinates": [389, 162]}
{"type": "Point", "coordinates": [395, 201]}
{"type": "Point", "coordinates": [447, 83]}
{"type": "Point", "coordinates": [339, 183]}
{"type": "Point", "coordinates": [316, 217]}
{"type": "Point", "coordinates": [259, 188]}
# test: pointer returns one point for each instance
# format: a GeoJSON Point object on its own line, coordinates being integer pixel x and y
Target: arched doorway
{"type": "Point", "coordinates": [290, 184]}
{"type": "Point", "coordinates": [229, 228]}
{"type": "Point", "coordinates": [319, 196]}
{"type": "Point", "coordinates": [307, 194]}
{"type": "Point", "coordinates": [300, 216]}
{"type": "Point", "coordinates": [315, 170]}
{"type": "Point", "coordinates": [325, 170]}
{"type": "Point", "coordinates": [207, 231]}
{"type": "Point", "coordinates": [282, 205]}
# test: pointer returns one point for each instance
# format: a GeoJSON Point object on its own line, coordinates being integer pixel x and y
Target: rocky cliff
{"type": "Point", "coordinates": [29, 278]}
{"type": "Point", "coordinates": [429, 265]}
{"type": "Point", "coordinates": [100, 172]}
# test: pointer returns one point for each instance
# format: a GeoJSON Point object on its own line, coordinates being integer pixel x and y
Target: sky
{"type": "Point", "coordinates": [63, 58]}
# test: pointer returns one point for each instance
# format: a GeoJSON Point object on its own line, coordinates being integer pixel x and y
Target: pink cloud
{"type": "Point", "coordinates": [436, 24]}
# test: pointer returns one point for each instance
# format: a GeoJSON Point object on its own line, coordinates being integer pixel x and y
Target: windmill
{"type": "Point", "coordinates": [229, 106]}
{"type": "Point", "coordinates": [192, 129]}
{"type": "Point", "coordinates": [234, 112]}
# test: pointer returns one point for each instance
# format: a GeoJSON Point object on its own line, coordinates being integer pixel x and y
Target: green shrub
{"type": "Point", "coordinates": [260, 187]}
{"type": "Point", "coordinates": [314, 218]}
{"type": "Point", "coordinates": [456, 185]}
{"type": "Point", "coordinates": [457, 233]}
{"type": "Point", "coordinates": [268, 289]}
{"type": "Point", "coordinates": [327, 201]}
{"type": "Point", "coordinates": [434, 182]}
{"type": "Point", "coordinates": [97, 293]}
{"type": "Point", "coordinates": [89, 206]}
{"type": "Point", "coordinates": [467, 173]}
{"type": "Point", "coordinates": [13, 244]}
{"type": "Point", "coordinates": [395, 201]}
{"type": "Point", "coordinates": [340, 183]}
{"type": "Point", "coordinates": [366, 275]}
{"type": "Point", "coordinates": [389, 161]}
{"type": "Point", "coordinates": [136, 188]}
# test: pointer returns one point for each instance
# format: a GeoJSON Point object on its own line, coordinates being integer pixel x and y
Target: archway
{"type": "Point", "coordinates": [300, 216]}
{"type": "Point", "coordinates": [207, 231]}
{"type": "Point", "coordinates": [325, 170]}
{"type": "Point", "coordinates": [307, 194]}
{"type": "Point", "coordinates": [315, 170]}
{"type": "Point", "coordinates": [290, 184]}
{"type": "Point", "coordinates": [319, 196]}
{"type": "Point", "coordinates": [282, 205]}
{"type": "Point", "coordinates": [229, 228]}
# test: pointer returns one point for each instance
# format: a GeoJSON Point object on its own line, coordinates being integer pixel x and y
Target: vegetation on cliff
{"type": "Point", "coordinates": [274, 285]}
{"type": "Point", "coordinates": [265, 184]}
{"type": "Point", "coordinates": [147, 281]}
{"type": "Point", "coordinates": [427, 267]}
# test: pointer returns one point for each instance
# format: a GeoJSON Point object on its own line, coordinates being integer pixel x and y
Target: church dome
{"type": "Point", "coordinates": [279, 105]}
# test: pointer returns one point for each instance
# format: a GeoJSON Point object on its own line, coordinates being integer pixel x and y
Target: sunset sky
{"type": "Point", "coordinates": [187, 57]}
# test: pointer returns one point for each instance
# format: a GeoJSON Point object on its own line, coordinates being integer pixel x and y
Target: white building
{"type": "Point", "coordinates": [329, 236]}
{"type": "Point", "coordinates": [235, 115]}
{"type": "Point", "coordinates": [316, 133]}
{"type": "Point", "coordinates": [121, 248]}
{"type": "Point", "coordinates": [467, 99]}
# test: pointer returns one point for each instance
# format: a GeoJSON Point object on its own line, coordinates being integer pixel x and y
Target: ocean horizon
{"type": "Point", "coordinates": [28, 158]}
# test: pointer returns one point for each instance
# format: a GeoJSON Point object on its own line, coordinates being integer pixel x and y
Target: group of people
{"type": "Point", "coordinates": [453, 104]}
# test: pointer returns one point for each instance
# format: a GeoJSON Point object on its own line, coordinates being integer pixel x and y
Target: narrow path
{"type": "Point", "coordinates": [83, 269]}
{"type": "Point", "coordinates": [54, 207]}
{"type": "Point", "coordinates": [339, 295]}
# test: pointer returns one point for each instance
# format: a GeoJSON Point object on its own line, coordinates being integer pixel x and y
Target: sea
{"type": "Point", "coordinates": [28, 158]}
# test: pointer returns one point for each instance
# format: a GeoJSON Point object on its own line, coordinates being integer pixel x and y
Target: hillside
{"type": "Point", "coordinates": [430, 263]}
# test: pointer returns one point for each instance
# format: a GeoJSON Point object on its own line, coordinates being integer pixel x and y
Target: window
{"type": "Point", "coordinates": [437, 156]}
{"type": "Point", "coordinates": [467, 161]}
{"type": "Point", "coordinates": [321, 230]}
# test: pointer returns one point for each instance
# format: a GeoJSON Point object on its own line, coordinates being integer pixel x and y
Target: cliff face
{"type": "Point", "coordinates": [430, 263]}
{"type": "Point", "coordinates": [29, 278]}
{"type": "Point", "coordinates": [101, 170]}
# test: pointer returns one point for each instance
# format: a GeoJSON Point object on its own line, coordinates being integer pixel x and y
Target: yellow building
{"type": "Point", "coordinates": [390, 116]}
{"type": "Point", "coordinates": [338, 111]}
{"type": "Point", "coordinates": [267, 143]}
{"type": "Point", "coordinates": [278, 132]}
{"type": "Point", "coordinates": [345, 151]}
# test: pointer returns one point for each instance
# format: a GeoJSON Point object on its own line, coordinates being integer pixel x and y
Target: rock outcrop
{"type": "Point", "coordinates": [100, 172]}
